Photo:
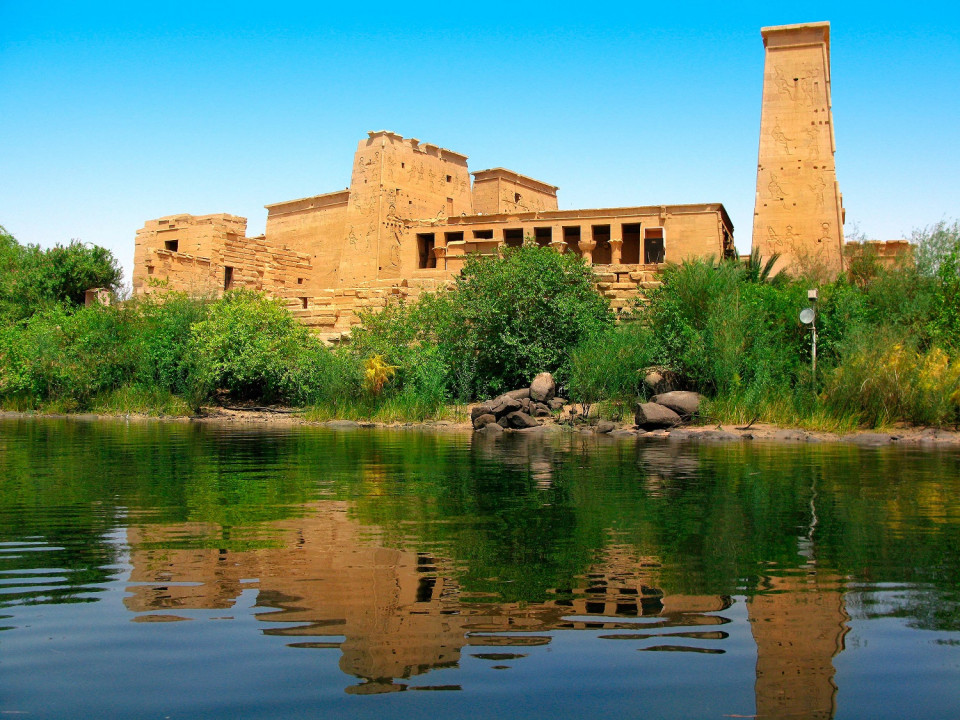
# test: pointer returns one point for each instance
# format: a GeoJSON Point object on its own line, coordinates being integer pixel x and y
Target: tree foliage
{"type": "Point", "coordinates": [507, 318]}
{"type": "Point", "coordinates": [31, 277]}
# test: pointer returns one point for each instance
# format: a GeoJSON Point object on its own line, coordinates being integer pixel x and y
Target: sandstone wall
{"type": "Point", "coordinates": [503, 191]}
{"type": "Point", "coordinates": [163, 261]}
{"type": "Point", "coordinates": [799, 209]}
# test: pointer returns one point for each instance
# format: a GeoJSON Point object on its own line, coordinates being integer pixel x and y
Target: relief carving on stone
{"type": "Point", "coordinates": [439, 219]}
{"type": "Point", "coordinates": [359, 244]}
{"type": "Point", "coordinates": [779, 241]}
{"type": "Point", "coordinates": [818, 189]}
{"type": "Point", "coordinates": [776, 192]}
{"type": "Point", "coordinates": [811, 142]}
{"type": "Point", "coordinates": [394, 224]}
{"type": "Point", "coordinates": [780, 138]}
{"type": "Point", "coordinates": [784, 86]}
{"type": "Point", "coordinates": [802, 89]}
{"type": "Point", "coordinates": [824, 233]}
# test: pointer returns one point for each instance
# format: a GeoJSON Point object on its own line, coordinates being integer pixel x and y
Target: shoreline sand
{"type": "Point", "coordinates": [900, 435]}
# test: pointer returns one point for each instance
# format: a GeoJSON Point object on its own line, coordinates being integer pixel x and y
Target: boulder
{"type": "Point", "coordinates": [492, 429]}
{"type": "Point", "coordinates": [650, 416]}
{"type": "Point", "coordinates": [503, 422]}
{"type": "Point", "coordinates": [605, 426]}
{"type": "Point", "coordinates": [483, 420]}
{"type": "Point", "coordinates": [526, 405]}
{"type": "Point", "coordinates": [660, 380]}
{"type": "Point", "coordinates": [540, 410]}
{"type": "Point", "coordinates": [557, 403]}
{"type": "Point", "coordinates": [341, 425]}
{"type": "Point", "coordinates": [521, 420]}
{"type": "Point", "coordinates": [519, 394]}
{"type": "Point", "coordinates": [478, 410]}
{"type": "Point", "coordinates": [868, 439]}
{"type": "Point", "coordinates": [543, 388]}
{"type": "Point", "coordinates": [684, 403]}
{"type": "Point", "coordinates": [504, 405]}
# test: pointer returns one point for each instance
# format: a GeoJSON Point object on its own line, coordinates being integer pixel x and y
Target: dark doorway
{"type": "Point", "coordinates": [601, 253]}
{"type": "Point", "coordinates": [653, 247]}
{"type": "Point", "coordinates": [425, 244]}
{"type": "Point", "coordinates": [630, 251]}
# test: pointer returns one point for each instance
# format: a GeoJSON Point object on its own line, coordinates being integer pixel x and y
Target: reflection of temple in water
{"type": "Point", "coordinates": [799, 622]}
{"type": "Point", "coordinates": [392, 613]}
{"type": "Point", "coordinates": [395, 614]}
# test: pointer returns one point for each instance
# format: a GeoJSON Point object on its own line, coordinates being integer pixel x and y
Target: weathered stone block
{"type": "Point", "coordinates": [683, 402]}
{"type": "Point", "coordinates": [650, 416]}
{"type": "Point", "coordinates": [483, 420]}
{"type": "Point", "coordinates": [542, 388]}
{"type": "Point", "coordinates": [520, 420]}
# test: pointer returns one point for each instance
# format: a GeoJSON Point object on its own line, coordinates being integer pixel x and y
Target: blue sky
{"type": "Point", "coordinates": [114, 113]}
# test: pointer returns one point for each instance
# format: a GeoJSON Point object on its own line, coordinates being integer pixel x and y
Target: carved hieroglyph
{"type": "Point", "coordinates": [799, 209]}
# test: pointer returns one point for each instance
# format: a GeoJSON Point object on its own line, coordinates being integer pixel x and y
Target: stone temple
{"type": "Point", "coordinates": [799, 209]}
{"type": "Point", "coordinates": [407, 222]}
{"type": "Point", "coordinates": [413, 212]}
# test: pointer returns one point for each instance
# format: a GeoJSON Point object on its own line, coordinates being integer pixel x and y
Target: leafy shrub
{"type": "Point", "coordinates": [883, 382]}
{"type": "Point", "coordinates": [61, 353]}
{"type": "Point", "coordinates": [506, 319]}
{"type": "Point", "coordinates": [32, 278]}
{"type": "Point", "coordinates": [246, 346]}
{"type": "Point", "coordinates": [609, 366]}
{"type": "Point", "coordinates": [164, 340]}
{"type": "Point", "coordinates": [722, 329]}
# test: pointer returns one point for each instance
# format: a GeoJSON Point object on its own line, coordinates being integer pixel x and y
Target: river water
{"type": "Point", "coordinates": [154, 570]}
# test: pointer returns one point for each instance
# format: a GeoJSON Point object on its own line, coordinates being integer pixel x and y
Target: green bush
{"type": "Point", "coordinates": [163, 341]}
{"type": "Point", "coordinates": [31, 278]}
{"type": "Point", "coordinates": [506, 319]}
{"type": "Point", "coordinates": [610, 365]}
{"type": "Point", "coordinates": [722, 330]}
{"type": "Point", "coordinates": [247, 346]}
{"type": "Point", "coordinates": [67, 354]}
{"type": "Point", "coordinates": [884, 379]}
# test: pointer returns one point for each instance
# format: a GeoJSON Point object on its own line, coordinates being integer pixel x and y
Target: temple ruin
{"type": "Point", "coordinates": [413, 212]}
{"type": "Point", "coordinates": [407, 222]}
{"type": "Point", "coordinates": [799, 209]}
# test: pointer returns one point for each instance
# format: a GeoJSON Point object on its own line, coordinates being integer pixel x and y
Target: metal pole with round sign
{"type": "Point", "coordinates": [808, 316]}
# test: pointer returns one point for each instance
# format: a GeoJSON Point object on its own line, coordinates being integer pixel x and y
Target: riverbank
{"type": "Point", "coordinates": [899, 435]}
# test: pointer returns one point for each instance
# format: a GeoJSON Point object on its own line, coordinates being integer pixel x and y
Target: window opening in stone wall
{"type": "Point", "coordinates": [453, 237]}
{"type": "Point", "coordinates": [425, 244]}
{"type": "Point", "coordinates": [171, 245]}
{"type": "Point", "coordinates": [227, 277]}
{"type": "Point", "coordinates": [653, 245]}
{"type": "Point", "coordinates": [516, 197]}
{"type": "Point", "coordinates": [299, 281]}
{"type": "Point", "coordinates": [149, 269]}
{"type": "Point", "coordinates": [543, 236]}
{"type": "Point", "coordinates": [303, 303]}
{"type": "Point", "coordinates": [571, 236]}
{"type": "Point", "coordinates": [449, 178]}
{"type": "Point", "coordinates": [483, 234]}
{"type": "Point", "coordinates": [630, 250]}
{"type": "Point", "coordinates": [513, 237]}
{"type": "Point", "coordinates": [601, 253]}
{"type": "Point", "coordinates": [425, 587]}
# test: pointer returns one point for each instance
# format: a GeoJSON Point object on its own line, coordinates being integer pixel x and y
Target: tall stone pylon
{"type": "Point", "coordinates": [799, 209]}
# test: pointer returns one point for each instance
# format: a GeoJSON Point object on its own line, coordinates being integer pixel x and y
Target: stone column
{"type": "Point", "coordinates": [440, 253]}
{"type": "Point", "coordinates": [616, 245]}
{"type": "Point", "coordinates": [587, 246]}
{"type": "Point", "coordinates": [559, 245]}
